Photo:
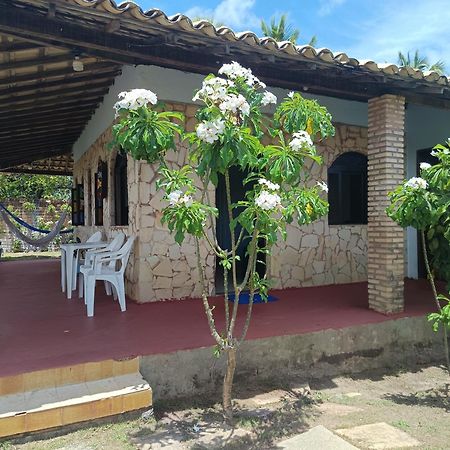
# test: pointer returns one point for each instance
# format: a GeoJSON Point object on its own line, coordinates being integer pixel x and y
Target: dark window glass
{"type": "Point", "coordinates": [120, 190]}
{"type": "Point", "coordinates": [101, 191]}
{"type": "Point", "coordinates": [347, 190]}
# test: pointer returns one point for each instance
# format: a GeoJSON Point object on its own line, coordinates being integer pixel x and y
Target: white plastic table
{"type": "Point", "coordinates": [67, 254]}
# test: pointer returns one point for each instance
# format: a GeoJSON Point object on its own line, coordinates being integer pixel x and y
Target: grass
{"type": "Point", "coordinates": [9, 256]}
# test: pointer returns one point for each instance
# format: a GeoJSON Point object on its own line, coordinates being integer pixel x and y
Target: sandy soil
{"type": "Point", "coordinates": [415, 401]}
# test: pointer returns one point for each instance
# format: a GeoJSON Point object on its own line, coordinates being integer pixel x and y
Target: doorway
{"type": "Point", "coordinates": [238, 189]}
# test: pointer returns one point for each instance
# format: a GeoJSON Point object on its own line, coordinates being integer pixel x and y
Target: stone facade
{"type": "Point", "coordinates": [161, 269]}
{"type": "Point", "coordinates": [319, 253]}
{"type": "Point", "coordinates": [83, 172]}
{"type": "Point", "coordinates": [386, 172]}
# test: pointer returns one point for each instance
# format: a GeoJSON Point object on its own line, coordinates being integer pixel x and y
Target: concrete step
{"type": "Point", "coordinates": [55, 406]}
{"type": "Point", "coordinates": [60, 376]}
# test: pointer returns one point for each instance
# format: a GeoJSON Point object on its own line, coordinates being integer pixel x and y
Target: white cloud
{"type": "Point", "coordinates": [236, 14]}
{"type": "Point", "coordinates": [327, 6]}
{"type": "Point", "coordinates": [404, 25]}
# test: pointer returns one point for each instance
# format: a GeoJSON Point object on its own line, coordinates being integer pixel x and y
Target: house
{"type": "Point", "coordinates": [384, 115]}
{"type": "Point", "coordinates": [63, 63]}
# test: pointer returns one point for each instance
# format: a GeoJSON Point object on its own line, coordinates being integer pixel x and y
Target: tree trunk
{"type": "Point", "coordinates": [228, 384]}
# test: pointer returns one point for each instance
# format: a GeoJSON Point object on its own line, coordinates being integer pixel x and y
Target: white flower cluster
{"type": "Point", "coordinates": [322, 186]}
{"type": "Point", "coordinates": [301, 140]}
{"type": "Point", "coordinates": [267, 200]}
{"type": "Point", "coordinates": [177, 198]}
{"type": "Point", "coordinates": [210, 131]}
{"type": "Point", "coordinates": [232, 103]}
{"type": "Point", "coordinates": [235, 70]}
{"type": "Point", "coordinates": [416, 183]}
{"type": "Point", "coordinates": [268, 184]}
{"type": "Point", "coordinates": [268, 98]}
{"type": "Point", "coordinates": [134, 99]}
{"type": "Point", "coordinates": [213, 88]}
{"type": "Point", "coordinates": [424, 166]}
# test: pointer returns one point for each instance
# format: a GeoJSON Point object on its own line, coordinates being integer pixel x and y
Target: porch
{"type": "Point", "coordinates": [40, 328]}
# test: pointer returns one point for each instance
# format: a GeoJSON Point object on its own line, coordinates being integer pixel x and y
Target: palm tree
{"type": "Point", "coordinates": [420, 62]}
{"type": "Point", "coordinates": [280, 30]}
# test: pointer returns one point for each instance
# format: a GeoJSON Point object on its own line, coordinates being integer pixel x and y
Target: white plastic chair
{"type": "Point", "coordinates": [113, 246]}
{"type": "Point", "coordinates": [97, 236]}
{"type": "Point", "coordinates": [105, 268]}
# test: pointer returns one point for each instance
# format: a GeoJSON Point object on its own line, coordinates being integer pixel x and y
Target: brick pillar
{"type": "Point", "coordinates": [386, 150]}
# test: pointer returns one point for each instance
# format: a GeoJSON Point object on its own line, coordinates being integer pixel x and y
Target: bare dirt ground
{"type": "Point", "coordinates": [416, 401]}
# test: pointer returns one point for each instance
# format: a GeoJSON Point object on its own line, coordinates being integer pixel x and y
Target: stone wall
{"type": "Point", "coordinates": [319, 253]}
{"type": "Point", "coordinates": [161, 269]}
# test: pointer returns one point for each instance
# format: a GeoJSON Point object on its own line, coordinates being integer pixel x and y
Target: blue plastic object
{"type": "Point", "coordinates": [244, 298]}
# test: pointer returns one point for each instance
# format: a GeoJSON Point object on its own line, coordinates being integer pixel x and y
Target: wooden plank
{"type": "Point", "coordinates": [90, 87]}
{"type": "Point", "coordinates": [74, 98]}
{"type": "Point", "coordinates": [42, 86]}
{"type": "Point", "coordinates": [49, 105]}
{"type": "Point", "coordinates": [46, 138]}
{"type": "Point", "coordinates": [42, 120]}
{"type": "Point", "coordinates": [48, 128]}
{"type": "Point", "coordinates": [14, 152]}
{"type": "Point", "coordinates": [89, 71]}
{"type": "Point", "coordinates": [49, 112]}
{"type": "Point", "coordinates": [23, 64]}
{"type": "Point", "coordinates": [15, 46]}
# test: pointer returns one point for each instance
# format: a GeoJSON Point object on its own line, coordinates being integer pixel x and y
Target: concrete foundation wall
{"type": "Point", "coordinates": [389, 344]}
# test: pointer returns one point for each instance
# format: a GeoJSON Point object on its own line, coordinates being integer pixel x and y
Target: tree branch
{"type": "Point", "coordinates": [233, 259]}
{"type": "Point", "coordinates": [435, 294]}
{"type": "Point", "coordinates": [252, 296]}
{"type": "Point", "coordinates": [208, 310]}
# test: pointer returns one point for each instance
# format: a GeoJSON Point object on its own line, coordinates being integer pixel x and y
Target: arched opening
{"type": "Point", "coordinates": [120, 190]}
{"type": "Point", "coordinates": [347, 195]}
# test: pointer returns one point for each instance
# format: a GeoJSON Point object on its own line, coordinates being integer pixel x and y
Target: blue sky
{"type": "Point", "coordinates": [365, 29]}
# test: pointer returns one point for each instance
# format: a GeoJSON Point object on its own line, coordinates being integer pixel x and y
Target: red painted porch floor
{"type": "Point", "coordinates": [40, 328]}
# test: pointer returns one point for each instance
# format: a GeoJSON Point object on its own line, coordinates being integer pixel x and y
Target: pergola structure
{"type": "Point", "coordinates": [45, 103]}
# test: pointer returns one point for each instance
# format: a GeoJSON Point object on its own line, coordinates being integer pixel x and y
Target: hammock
{"type": "Point", "coordinates": [39, 242]}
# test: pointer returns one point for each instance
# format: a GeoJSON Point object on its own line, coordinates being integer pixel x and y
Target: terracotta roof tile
{"type": "Point", "coordinates": [206, 28]}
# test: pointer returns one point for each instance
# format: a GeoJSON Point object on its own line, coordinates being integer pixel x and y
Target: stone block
{"type": "Point", "coordinates": [163, 269]}
{"type": "Point", "coordinates": [162, 283]}
{"type": "Point", "coordinates": [310, 241]}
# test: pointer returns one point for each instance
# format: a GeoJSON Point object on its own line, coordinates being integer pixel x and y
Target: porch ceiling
{"type": "Point", "coordinates": [44, 103]}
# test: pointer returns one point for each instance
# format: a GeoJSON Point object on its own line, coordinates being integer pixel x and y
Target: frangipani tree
{"type": "Point", "coordinates": [424, 204]}
{"type": "Point", "coordinates": [230, 131]}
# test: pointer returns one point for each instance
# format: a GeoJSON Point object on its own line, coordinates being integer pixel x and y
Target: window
{"type": "Point", "coordinates": [101, 191]}
{"type": "Point", "coordinates": [88, 199]}
{"type": "Point", "coordinates": [347, 184]}
{"type": "Point", "coordinates": [120, 190]}
{"type": "Point", "coordinates": [78, 205]}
